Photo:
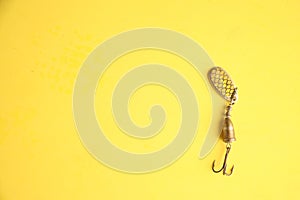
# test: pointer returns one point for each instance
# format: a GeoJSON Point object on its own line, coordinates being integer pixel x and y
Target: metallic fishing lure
{"type": "Point", "coordinates": [224, 86]}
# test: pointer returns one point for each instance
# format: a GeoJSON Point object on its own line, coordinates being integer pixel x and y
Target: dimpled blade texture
{"type": "Point", "coordinates": [222, 82]}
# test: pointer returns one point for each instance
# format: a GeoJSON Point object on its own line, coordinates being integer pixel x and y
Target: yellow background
{"type": "Point", "coordinates": [42, 46]}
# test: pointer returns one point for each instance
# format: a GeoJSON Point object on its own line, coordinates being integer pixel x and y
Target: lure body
{"type": "Point", "coordinates": [225, 87]}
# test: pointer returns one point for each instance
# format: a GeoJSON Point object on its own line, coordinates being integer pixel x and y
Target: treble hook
{"type": "Point", "coordinates": [228, 147]}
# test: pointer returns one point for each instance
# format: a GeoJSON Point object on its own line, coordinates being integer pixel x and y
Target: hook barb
{"type": "Point", "coordinates": [228, 147]}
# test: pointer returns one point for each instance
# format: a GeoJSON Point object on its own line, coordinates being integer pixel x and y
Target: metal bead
{"type": "Point", "coordinates": [228, 131]}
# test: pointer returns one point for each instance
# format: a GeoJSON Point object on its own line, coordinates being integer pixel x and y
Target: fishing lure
{"type": "Point", "coordinates": [224, 86]}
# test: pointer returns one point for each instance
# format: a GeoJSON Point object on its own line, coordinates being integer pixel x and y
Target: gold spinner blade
{"type": "Point", "coordinates": [222, 83]}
